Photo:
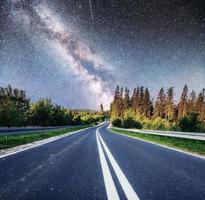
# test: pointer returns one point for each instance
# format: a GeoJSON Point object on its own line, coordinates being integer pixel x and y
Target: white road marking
{"type": "Point", "coordinates": [24, 147]}
{"type": "Point", "coordinates": [161, 145]}
{"type": "Point", "coordinates": [126, 186]}
{"type": "Point", "coordinates": [109, 183]}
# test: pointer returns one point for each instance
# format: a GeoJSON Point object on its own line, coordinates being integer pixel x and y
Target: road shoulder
{"type": "Point", "coordinates": [24, 147]}
{"type": "Point", "coordinates": [155, 143]}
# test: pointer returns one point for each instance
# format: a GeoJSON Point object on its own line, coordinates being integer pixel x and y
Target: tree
{"type": "Point", "coordinates": [147, 104]}
{"type": "Point", "coordinates": [117, 122]}
{"type": "Point", "coordinates": [200, 105]}
{"type": "Point", "coordinates": [189, 123]}
{"type": "Point", "coordinates": [116, 107]}
{"type": "Point", "coordinates": [135, 100]}
{"type": "Point", "coordinates": [183, 103]}
{"type": "Point", "coordinates": [141, 101]}
{"type": "Point", "coordinates": [14, 106]}
{"type": "Point", "coordinates": [159, 109]}
{"type": "Point", "coordinates": [192, 102]}
{"type": "Point", "coordinates": [42, 112]}
{"type": "Point", "coordinates": [169, 105]}
{"type": "Point", "coordinates": [164, 113]}
{"type": "Point", "coordinates": [126, 99]}
{"type": "Point", "coordinates": [101, 108]}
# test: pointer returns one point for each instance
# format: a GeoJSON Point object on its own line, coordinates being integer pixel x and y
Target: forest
{"type": "Point", "coordinates": [17, 110]}
{"type": "Point", "coordinates": [139, 110]}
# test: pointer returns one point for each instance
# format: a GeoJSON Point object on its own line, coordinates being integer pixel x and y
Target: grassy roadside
{"type": "Point", "coordinates": [192, 146]}
{"type": "Point", "coordinates": [15, 140]}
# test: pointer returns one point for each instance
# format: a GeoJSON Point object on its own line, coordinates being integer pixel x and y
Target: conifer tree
{"type": "Point", "coordinates": [147, 104]}
{"type": "Point", "coordinates": [136, 100]}
{"type": "Point", "coordinates": [141, 101]}
{"type": "Point", "coordinates": [200, 105]}
{"type": "Point", "coordinates": [121, 101]}
{"type": "Point", "coordinates": [183, 103]}
{"type": "Point", "coordinates": [159, 110]}
{"type": "Point", "coordinates": [192, 102]}
{"type": "Point", "coordinates": [169, 105]}
{"type": "Point", "coordinates": [116, 105]}
{"type": "Point", "coordinates": [126, 99]}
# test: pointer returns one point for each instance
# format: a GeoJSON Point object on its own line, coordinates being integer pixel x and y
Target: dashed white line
{"type": "Point", "coordinates": [126, 186]}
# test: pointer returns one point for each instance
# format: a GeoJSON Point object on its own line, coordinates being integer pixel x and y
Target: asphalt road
{"type": "Point", "coordinates": [97, 164]}
{"type": "Point", "coordinates": [27, 130]}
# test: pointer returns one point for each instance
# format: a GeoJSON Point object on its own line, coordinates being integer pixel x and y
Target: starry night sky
{"type": "Point", "coordinates": [55, 49]}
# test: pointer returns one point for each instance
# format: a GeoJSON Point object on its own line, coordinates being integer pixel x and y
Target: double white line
{"type": "Point", "coordinates": [109, 183]}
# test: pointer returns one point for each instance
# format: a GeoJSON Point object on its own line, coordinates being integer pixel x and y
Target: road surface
{"type": "Point", "coordinates": [27, 130]}
{"type": "Point", "coordinates": [97, 164]}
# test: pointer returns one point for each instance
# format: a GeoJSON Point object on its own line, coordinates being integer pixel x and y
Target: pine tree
{"type": "Point", "coordinates": [121, 101]}
{"type": "Point", "coordinates": [159, 110]}
{"type": "Point", "coordinates": [101, 108]}
{"type": "Point", "coordinates": [169, 106]}
{"type": "Point", "coordinates": [141, 101]}
{"type": "Point", "coordinates": [132, 99]}
{"type": "Point", "coordinates": [116, 105]}
{"type": "Point", "coordinates": [183, 103]}
{"type": "Point", "coordinates": [135, 100]}
{"type": "Point", "coordinates": [192, 102]}
{"type": "Point", "coordinates": [126, 99]}
{"type": "Point", "coordinates": [147, 104]}
{"type": "Point", "coordinates": [200, 105]}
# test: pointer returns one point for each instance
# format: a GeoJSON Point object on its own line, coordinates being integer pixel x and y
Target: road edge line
{"type": "Point", "coordinates": [171, 148]}
{"type": "Point", "coordinates": [41, 142]}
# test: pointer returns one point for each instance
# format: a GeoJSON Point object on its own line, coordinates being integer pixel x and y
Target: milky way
{"type": "Point", "coordinates": [39, 19]}
{"type": "Point", "coordinates": [59, 49]}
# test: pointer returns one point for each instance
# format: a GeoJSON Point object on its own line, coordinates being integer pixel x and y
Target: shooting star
{"type": "Point", "coordinates": [91, 10]}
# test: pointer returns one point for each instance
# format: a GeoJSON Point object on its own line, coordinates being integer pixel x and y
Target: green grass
{"type": "Point", "coordinates": [15, 140]}
{"type": "Point", "coordinates": [192, 146]}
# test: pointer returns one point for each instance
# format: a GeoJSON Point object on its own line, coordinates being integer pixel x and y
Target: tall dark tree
{"type": "Point", "coordinates": [183, 103]}
{"type": "Point", "coordinates": [192, 102]}
{"type": "Point", "coordinates": [101, 108]}
{"type": "Point", "coordinates": [159, 109]}
{"type": "Point", "coordinates": [126, 99]}
{"type": "Point", "coordinates": [141, 101]}
{"type": "Point", "coordinates": [116, 105]}
{"type": "Point", "coordinates": [147, 104]}
{"type": "Point", "coordinates": [200, 105]}
{"type": "Point", "coordinates": [135, 100]}
{"type": "Point", "coordinates": [169, 105]}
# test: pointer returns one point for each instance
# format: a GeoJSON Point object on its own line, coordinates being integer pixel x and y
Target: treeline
{"type": "Point", "coordinates": [139, 110]}
{"type": "Point", "coordinates": [16, 110]}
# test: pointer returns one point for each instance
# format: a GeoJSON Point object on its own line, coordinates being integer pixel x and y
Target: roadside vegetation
{"type": "Point", "coordinates": [16, 110]}
{"type": "Point", "coordinates": [140, 111]}
{"type": "Point", "coordinates": [15, 140]}
{"type": "Point", "coordinates": [192, 146]}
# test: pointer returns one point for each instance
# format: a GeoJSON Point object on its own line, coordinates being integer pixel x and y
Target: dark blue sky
{"type": "Point", "coordinates": [55, 49]}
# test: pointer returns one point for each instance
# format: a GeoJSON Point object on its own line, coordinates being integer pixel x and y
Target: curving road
{"type": "Point", "coordinates": [97, 164]}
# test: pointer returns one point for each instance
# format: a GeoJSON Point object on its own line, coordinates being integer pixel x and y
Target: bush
{"type": "Point", "coordinates": [129, 122]}
{"type": "Point", "coordinates": [116, 122]}
{"type": "Point", "coordinates": [156, 124]}
{"type": "Point", "coordinates": [190, 123]}
{"type": "Point", "coordinates": [202, 127]}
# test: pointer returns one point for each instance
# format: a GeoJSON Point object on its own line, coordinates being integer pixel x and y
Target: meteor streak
{"type": "Point", "coordinates": [91, 10]}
